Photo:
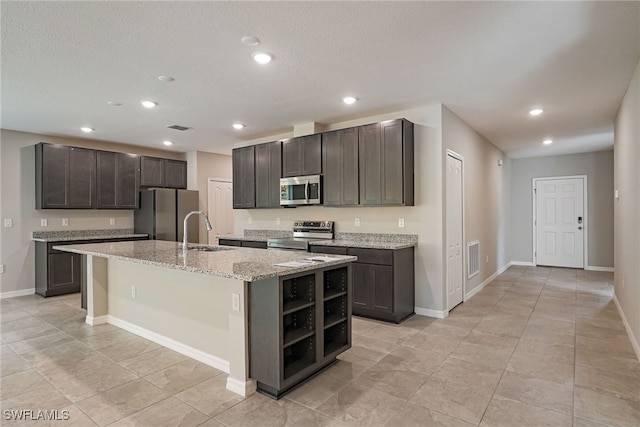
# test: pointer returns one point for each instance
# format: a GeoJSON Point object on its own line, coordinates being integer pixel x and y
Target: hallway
{"type": "Point", "coordinates": [537, 346]}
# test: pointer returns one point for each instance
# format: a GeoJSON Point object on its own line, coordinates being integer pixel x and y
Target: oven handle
{"type": "Point", "coordinates": [306, 190]}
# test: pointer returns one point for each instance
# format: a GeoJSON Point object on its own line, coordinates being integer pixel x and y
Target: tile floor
{"type": "Point", "coordinates": [537, 346]}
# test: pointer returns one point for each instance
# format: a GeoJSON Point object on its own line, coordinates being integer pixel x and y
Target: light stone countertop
{"type": "Point", "coordinates": [246, 264]}
{"type": "Point", "coordinates": [73, 235]}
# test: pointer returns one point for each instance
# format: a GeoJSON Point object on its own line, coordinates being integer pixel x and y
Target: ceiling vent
{"type": "Point", "coordinates": [178, 127]}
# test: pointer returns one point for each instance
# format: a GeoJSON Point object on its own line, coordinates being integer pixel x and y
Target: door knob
{"type": "Point", "coordinates": [579, 228]}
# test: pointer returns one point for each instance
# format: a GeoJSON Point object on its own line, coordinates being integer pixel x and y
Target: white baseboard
{"type": "Point", "coordinates": [98, 320]}
{"type": "Point", "coordinates": [20, 293]}
{"type": "Point", "coordinates": [486, 282]}
{"type": "Point", "coordinates": [595, 268]}
{"type": "Point", "coordinates": [627, 327]}
{"type": "Point", "coordinates": [199, 355]}
{"type": "Point", "coordinates": [243, 388]}
{"type": "Point", "coordinates": [525, 263]}
{"type": "Point", "coordinates": [439, 314]}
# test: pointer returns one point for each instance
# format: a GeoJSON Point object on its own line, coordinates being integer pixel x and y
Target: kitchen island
{"type": "Point", "coordinates": [235, 309]}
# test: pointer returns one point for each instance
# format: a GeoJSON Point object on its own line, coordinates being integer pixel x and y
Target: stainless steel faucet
{"type": "Point", "coordinates": [206, 223]}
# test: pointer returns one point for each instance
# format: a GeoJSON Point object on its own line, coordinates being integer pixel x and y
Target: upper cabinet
{"type": "Point", "coordinates": [244, 184]}
{"type": "Point", "coordinates": [65, 177]}
{"type": "Point", "coordinates": [340, 166]}
{"type": "Point", "coordinates": [167, 173]}
{"type": "Point", "coordinates": [302, 156]}
{"type": "Point", "coordinates": [268, 169]}
{"type": "Point", "coordinates": [118, 180]}
{"type": "Point", "coordinates": [386, 163]}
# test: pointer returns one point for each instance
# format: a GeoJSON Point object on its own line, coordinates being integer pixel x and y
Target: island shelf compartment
{"type": "Point", "coordinates": [298, 325]}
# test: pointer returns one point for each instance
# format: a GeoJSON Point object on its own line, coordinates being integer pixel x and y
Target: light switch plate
{"type": "Point", "coordinates": [65, 221]}
{"type": "Point", "coordinates": [8, 222]}
{"type": "Point", "coordinates": [249, 220]}
{"type": "Point", "coordinates": [235, 302]}
{"type": "Point", "coordinates": [43, 222]}
{"type": "Point", "coordinates": [357, 222]}
{"type": "Point", "coordinates": [112, 221]}
{"type": "Point", "coordinates": [401, 222]}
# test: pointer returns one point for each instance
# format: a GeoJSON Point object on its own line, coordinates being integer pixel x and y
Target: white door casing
{"type": "Point", "coordinates": [454, 230]}
{"type": "Point", "coordinates": [220, 208]}
{"type": "Point", "coordinates": [560, 221]}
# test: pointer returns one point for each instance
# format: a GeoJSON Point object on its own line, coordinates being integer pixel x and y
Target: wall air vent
{"type": "Point", "coordinates": [473, 259]}
{"type": "Point", "coordinates": [178, 127]}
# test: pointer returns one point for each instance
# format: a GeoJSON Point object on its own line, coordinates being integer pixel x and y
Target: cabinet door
{"type": "Point", "coordinates": [151, 172]}
{"type": "Point", "coordinates": [382, 288]}
{"type": "Point", "coordinates": [340, 166]}
{"type": "Point", "coordinates": [128, 181]}
{"type": "Point", "coordinates": [392, 163]}
{"type": "Point", "coordinates": [312, 154]}
{"type": "Point", "coordinates": [268, 171]}
{"type": "Point", "coordinates": [292, 157]}
{"type": "Point", "coordinates": [64, 273]}
{"type": "Point", "coordinates": [54, 165]}
{"type": "Point", "coordinates": [82, 176]}
{"type": "Point", "coordinates": [370, 165]}
{"type": "Point", "coordinates": [362, 277]}
{"type": "Point", "coordinates": [107, 170]}
{"type": "Point", "coordinates": [175, 174]}
{"type": "Point", "coordinates": [244, 185]}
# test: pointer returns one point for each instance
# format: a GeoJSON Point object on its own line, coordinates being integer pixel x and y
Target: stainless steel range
{"type": "Point", "coordinates": [303, 233]}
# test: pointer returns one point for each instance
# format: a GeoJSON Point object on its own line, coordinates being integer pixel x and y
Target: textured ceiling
{"type": "Point", "coordinates": [489, 62]}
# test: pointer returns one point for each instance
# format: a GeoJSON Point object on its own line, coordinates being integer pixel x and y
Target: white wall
{"type": "Point", "coordinates": [17, 186]}
{"type": "Point", "coordinates": [627, 208]}
{"type": "Point", "coordinates": [598, 166]}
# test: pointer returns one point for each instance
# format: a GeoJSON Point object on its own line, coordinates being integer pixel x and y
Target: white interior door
{"type": "Point", "coordinates": [560, 222]}
{"type": "Point", "coordinates": [455, 254]}
{"type": "Point", "coordinates": [220, 209]}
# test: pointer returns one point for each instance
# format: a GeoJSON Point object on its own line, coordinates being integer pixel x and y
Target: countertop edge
{"type": "Point", "coordinates": [83, 238]}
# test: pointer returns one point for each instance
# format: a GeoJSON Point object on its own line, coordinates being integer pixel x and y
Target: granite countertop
{"type": "Point", "coordinates": [245, 238]}
{"type": "Point", "coordinates": [66, 236]}
{"type": "Point", "coordinates": [246, 264]}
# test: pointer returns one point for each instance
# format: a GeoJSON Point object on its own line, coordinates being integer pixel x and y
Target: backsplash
{"type": "Point", "coordinates": [377, 237]}
{"type": "Point", "coordinates": [276, 234]}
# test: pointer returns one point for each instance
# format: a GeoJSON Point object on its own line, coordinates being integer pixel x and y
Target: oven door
{"type": "Point", "coordinates": [301, 190]}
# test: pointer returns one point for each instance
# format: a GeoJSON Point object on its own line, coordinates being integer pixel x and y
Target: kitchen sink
{"type": "Point", "coordinates": [210, 248]}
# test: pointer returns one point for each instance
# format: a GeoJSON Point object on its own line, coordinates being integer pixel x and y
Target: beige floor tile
{"type": "Point", "coordinates": [5, 351]}
{"type": "Point", "coordinates": [468, 374]}
{"type": "Point", "coordinates": [417, 416]}
{"type": "Point", "coordinates": [460, 321]}
{"type": "Point", "coordinates": [13, 314]}
{"type": "Point", "coordinates": [604, 320]}
{"type": "Point", "coordinates": [544, 368]}
{"type": "Point", "coordinates": [553, 315]}
{"type": "Point", "coordinates": [370, 348]}
{"type": "Point", "coordinates": [360, 325]}
{"type": "Point", "coordinates": [417, 322]}
{"type": "Point", "coordinates": [42, 397]}
{"type": "Point", "coordinates": [41, 342]}
{"type": "Point", "coordinates": [392, 379]}
{"type": "Point", "coordinates": [169, 412]}
{"type": "Point", "coordinates": [69, 416]}
{"type": "Point", "coordinates": [317, 390]}
{"type": "Point", "coordinates": [536, 391]}
{"type": "Point", "coordinates": [435, 343]}
{"type": "Point", "coordinates": [210, 397]}
{"type": "Point", "coordinates": [99, 341]}
{"type": "Point", "coordinates": [511, 413]}
{"type": "Point", "coordinates": [503, 324]}
{"type": "Point", "coordinates": [13, 364]}
{"type": "Point", "coordinates": [587, 328]}
{"type": "Point", "coordinates": [616, 385]}
{"type": "Point", "coordinates": [493, 341]}
{"type": "Point", "coordinates": [128, 349]}
{"type": "Point", "coordinates": [122, 401]}
{"type": "Point", "coordinates": [182, 376]}
{"type": "Point", "coordinates": [27, 322]}
{"type": "Point", "coordinates": [581, 422]}
{"type": "Point", "coordinates": [60, 356]}
{"type": "Point", "coordinates": [20, 383]}
{"type": "Point", "coordinates": [391, 334]}
{"type": "Point", "coordinates": [456, 328]}
{"type": "Point", "coordinates": [463, 402]}
{"type": "Point", "coordinates": [357, 405]}
{"type": "Point", "coordinates": [482, 355]}
{"type": "Point", "coordinates": [546, 351]}
{"type": "Point", "coordinates": [418, 360]}
{"type": "Point", "coordinates": [550, 331]}
{"type": "Point", "coordinates": [35, 331]}
{"type": "Point", "coordinates": [606, 409]}
{"type": "Point", "coordinates": [80, 329]}
{"type": "Point", "coordinates": [153, 361]}
{"type": "Point", "coordinates": [514, 306]}
{"type": "Point", "coordinates": [211, 423]}
{"type": "Point", "coordinates": [349, 366]}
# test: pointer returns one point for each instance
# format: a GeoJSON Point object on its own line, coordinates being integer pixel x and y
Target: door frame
{"type": "Point", "coordinates": [585, 222]}
{"type": "Point", "coordinates": [464, 255]}
{"type": "Point", "coordinates": [209, 181]}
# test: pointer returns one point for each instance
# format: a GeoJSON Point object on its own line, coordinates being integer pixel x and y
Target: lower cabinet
{"type": "Point", "coordinates": [298, 324]}
{"type": "Point", "coordinates": [383, 281]}
{"type": "Point", "coordinates": [258, 244]}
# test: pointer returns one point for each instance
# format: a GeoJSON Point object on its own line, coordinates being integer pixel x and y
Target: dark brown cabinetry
{"type": "Point", "coordinates": [383, 281]}
{"type": "Point", "coordinates": [244, 178]}
{"type": "Point", "coordinates": [257, 244]}
{"type": "Point", "coordinates": [302, 156]}
{"type": "Point", "coordinates": [268, 169]}
{"type": "Point", "coordinates": [163, 173]}
{"type": "Point", "coordinates": [386, 163]}
{"type": "Point", "coordinates": [118, 180]}
{"type": "Point", "coordinates": [309, 328]}
{"type": "Point", "coordinates": [340, 166]}
{"type": "Point", "coordinates": [65, 177]}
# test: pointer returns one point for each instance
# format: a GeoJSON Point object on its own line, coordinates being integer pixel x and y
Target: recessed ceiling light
{"type": "Point", "coordinates": [250, 40]}
{"type": "Point", "coordinates": [238, 126]}
{"type": "Point", "coordinates": [349, 100]}
{"type": "Point", "coordinates": [87, 129]}
{"type": "Point", "coordinates": [166, 78]}
{"type": "Point", "coordinates": [536, 112]}
{"type": "Point", "coordinates": [114, 103]}
{"type": "Point", "coordinates": [148, 104]}
{"type": "Point", "coordinates": [167, 143]}
{"type": "Point", "coordinates": [261, 58]}
{"type": "Point", "coordinates": [547, 141]}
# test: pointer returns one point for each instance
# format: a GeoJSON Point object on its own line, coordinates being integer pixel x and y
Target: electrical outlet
{"type": "Point", "coordinates": [401, 222]}
{"type": "Point", "coordinates": [277, 221]}
{"type": "Point", "coordinates": [112, 221]}
{"type": "Point", "coordinates": [133, 291]}
{"type": "Point", "coordinates": [65, 221]}
{"type": "Point", "coordinates": [43, 222]}
{"type": "Point", "coordinates": [623, 281]}
{"type": "Point", "coordinates": [249, 221]}
{"type": "Point", "coordinates": [235, 302]}
{"type": "Point", "coordinates": [1, 268]}
{"type": "Point", "coordinates": [8, 222]}
{"type": "Point", "coordinates": [357, 222]}
{"type": "Point", "coordinates": [487, 258]}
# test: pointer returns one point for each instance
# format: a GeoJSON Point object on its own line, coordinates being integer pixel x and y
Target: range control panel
{"type": "Point", "coordinates": [323, 226]}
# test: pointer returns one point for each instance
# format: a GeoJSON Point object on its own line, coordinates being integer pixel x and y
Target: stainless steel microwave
{"type": "Point", "coordinates": [301, 190]}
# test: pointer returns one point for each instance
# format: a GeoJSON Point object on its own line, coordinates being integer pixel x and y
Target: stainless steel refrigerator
{"type": "Point", "coordinates": [162, 211]}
